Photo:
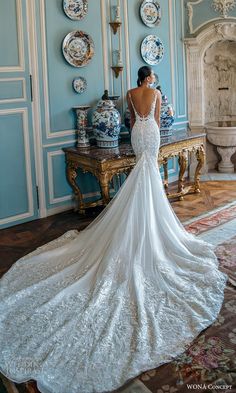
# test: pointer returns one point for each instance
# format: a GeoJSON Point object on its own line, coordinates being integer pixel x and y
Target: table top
{"type": "Point", "coordinates": [125, 149]}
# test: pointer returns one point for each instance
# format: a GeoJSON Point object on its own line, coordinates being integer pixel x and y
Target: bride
{"type": "Point", "coordinates": [91, 310]}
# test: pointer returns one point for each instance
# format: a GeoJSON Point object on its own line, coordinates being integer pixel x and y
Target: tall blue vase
{"type": "Point", "coordinates": [167, 117]}
{"type": "Point", "coordinates": [106, 124]}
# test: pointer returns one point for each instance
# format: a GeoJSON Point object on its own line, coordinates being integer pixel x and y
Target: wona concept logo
{"type": "Point", "coordinates": [205, 386]}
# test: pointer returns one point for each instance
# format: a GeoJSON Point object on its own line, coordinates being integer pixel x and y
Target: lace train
{"type": "Point", "coordinates": [91, 310]}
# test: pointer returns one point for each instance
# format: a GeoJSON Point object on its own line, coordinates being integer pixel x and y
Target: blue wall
{"type": "Point", "coordinates": [55, 76]}
{"type": "Point", "coordinates": [61, 97]}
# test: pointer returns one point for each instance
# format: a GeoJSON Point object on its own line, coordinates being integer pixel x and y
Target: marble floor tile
{"type": "Point", "coordinates": [214, 176]}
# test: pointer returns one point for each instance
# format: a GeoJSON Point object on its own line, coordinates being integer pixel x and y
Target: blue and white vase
{"type": "Point", "coordinates": [167, 117]}
{"type": "Point", "coordinates": [82, 125]}
{"type": "Point", "coordinates": [106, 124]}
{"type": "Point", "coordinates": [127, 119]}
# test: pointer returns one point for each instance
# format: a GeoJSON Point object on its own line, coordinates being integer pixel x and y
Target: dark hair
{"type": "Point", "coordinates": [159, 88]}
{"type": "Point", "coordinates": [143, 73]}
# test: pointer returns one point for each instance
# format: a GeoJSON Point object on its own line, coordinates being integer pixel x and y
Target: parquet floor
{"type": "Point", "coordinates": [213, 194]}
{"type": "Point", "coordinates": [22, 239]}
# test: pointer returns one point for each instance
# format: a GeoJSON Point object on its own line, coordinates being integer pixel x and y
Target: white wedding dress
{"type": "Point", "coordinates": [91, 310]}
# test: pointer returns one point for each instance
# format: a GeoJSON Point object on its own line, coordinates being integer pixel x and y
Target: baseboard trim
{"type": "Point", "coordinates": [60, 209]}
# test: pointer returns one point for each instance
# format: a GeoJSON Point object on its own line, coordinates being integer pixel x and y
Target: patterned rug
{"type": "Point", "coordinates": [212, 220]}
{"type": "Point", "coordinates": [209, 364]}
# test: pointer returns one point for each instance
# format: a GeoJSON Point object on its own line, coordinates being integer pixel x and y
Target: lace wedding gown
{"type": "Point", "coordinates": [91, 310]}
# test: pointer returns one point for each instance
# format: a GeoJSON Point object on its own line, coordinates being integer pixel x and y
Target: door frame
{"type": "Point", "coordinates": [36, 110]}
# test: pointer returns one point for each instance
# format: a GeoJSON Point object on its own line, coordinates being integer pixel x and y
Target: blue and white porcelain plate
{"type": "Point", "coordinates": [150, 12]}
{"type": "Point", "coordinates": [78, 48]}
{"type": "Point", "coordinates": [75, 9]}
{"type": "Point", "coordinates": [79, 84]}
{"type": "Point", "coordinates": [152, 50]}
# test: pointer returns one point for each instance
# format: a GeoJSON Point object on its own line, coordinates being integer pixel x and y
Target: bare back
{"type": "Point", "coordinates": [142, 99]}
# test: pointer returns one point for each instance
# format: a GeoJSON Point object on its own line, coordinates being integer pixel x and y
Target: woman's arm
{"type": "Point", "coordinates": [131, 109]}
{"type": "Point", "coordinates": [158, 108]}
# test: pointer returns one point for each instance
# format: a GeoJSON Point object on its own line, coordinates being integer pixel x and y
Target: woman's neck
{"type": "Point", "coordinates": [145, 85]}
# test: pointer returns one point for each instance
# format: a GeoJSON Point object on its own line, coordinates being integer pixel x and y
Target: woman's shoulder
{"type": "Point", "coordinates": [158, 94]}
{"type": "Point", "coordinates": [131, 91]}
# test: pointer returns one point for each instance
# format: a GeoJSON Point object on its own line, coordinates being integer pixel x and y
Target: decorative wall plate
{"type": "Point", "coordinates": [152, 50]}
{"type": "Point", "coordinates": [150, 12]}
{"type": "Point", "coordinates": [79, 84]}
{"type": "Point", "coordinates": [75, 9]}
{"type": "Point", "coordinates": [78, 48]}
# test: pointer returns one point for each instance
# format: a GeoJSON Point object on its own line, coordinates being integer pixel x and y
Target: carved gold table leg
{"type": "Point", "coordinates": [104, 180]}
{"type": "Point", "coordinates": [183, 159]}
{"type": "Point", "coordinates": [200, 154]}
{"type": "Point", "coordinates": [72, 174]}
{"type": "Point", "coordinates": [166, 182]}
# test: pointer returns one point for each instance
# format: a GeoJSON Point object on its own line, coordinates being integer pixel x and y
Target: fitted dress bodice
{"type": "Point", "coordinates": [145, 136]}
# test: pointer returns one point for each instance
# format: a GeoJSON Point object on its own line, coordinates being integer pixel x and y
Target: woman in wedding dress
{"type": "Point", "coordinates": [91, 310]}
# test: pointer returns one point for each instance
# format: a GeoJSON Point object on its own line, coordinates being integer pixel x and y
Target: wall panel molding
{"type": "Point", "coordinates": [127, 50]}
{"type": "Point", "coordinates": [52, 198]}
{"type": "Point", "coordinates": [60, 209]}
{"type": "Point", "coordinates": [65, 133]}
{"type": "Point", "coordinates": [200, 27]}
{"type": "Point", "coordinates": [104, 44]}
{"type": "Point", "coordinates": [49, 134]}
{"type": "Point", "coordinates": [30, 212]}
{"type": "Point", "coordinates": [176, 123]}
{"type": "Point", "coordinates": [172, 30]}
{"type": "Point", "coordinates": [122, 75]}
{"type": "Point", "coordinates": [63, 143]}
{"type": "Point", "coordinates": [184, 115]}
{"type": "Point", "coordinates": [110, 47]}
{"type": "Point", "coordinates": [16, 99]}
{"type": "Point", "coordinates": [20, 40]}
{"type": "Point", "coordinates": [36, 110]}
{"type": "Point", "coordinates": [190, 10]}
{"type": "Point", "coordinates": [174, 62]}
{"type": "Point", "coordinates": [190, 6]}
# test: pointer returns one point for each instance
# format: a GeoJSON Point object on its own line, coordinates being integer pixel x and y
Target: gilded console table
{"type": "Point", "coordinates": [105, 163]}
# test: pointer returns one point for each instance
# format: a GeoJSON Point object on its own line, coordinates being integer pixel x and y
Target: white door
{"type": "Point", "coordinates": [18, 190]}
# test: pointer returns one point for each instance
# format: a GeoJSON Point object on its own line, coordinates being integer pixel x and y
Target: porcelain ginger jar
{"type": "Point", "coordinates": [106, 124]}
{"type": "Point", "coordinates": [167, 117]}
